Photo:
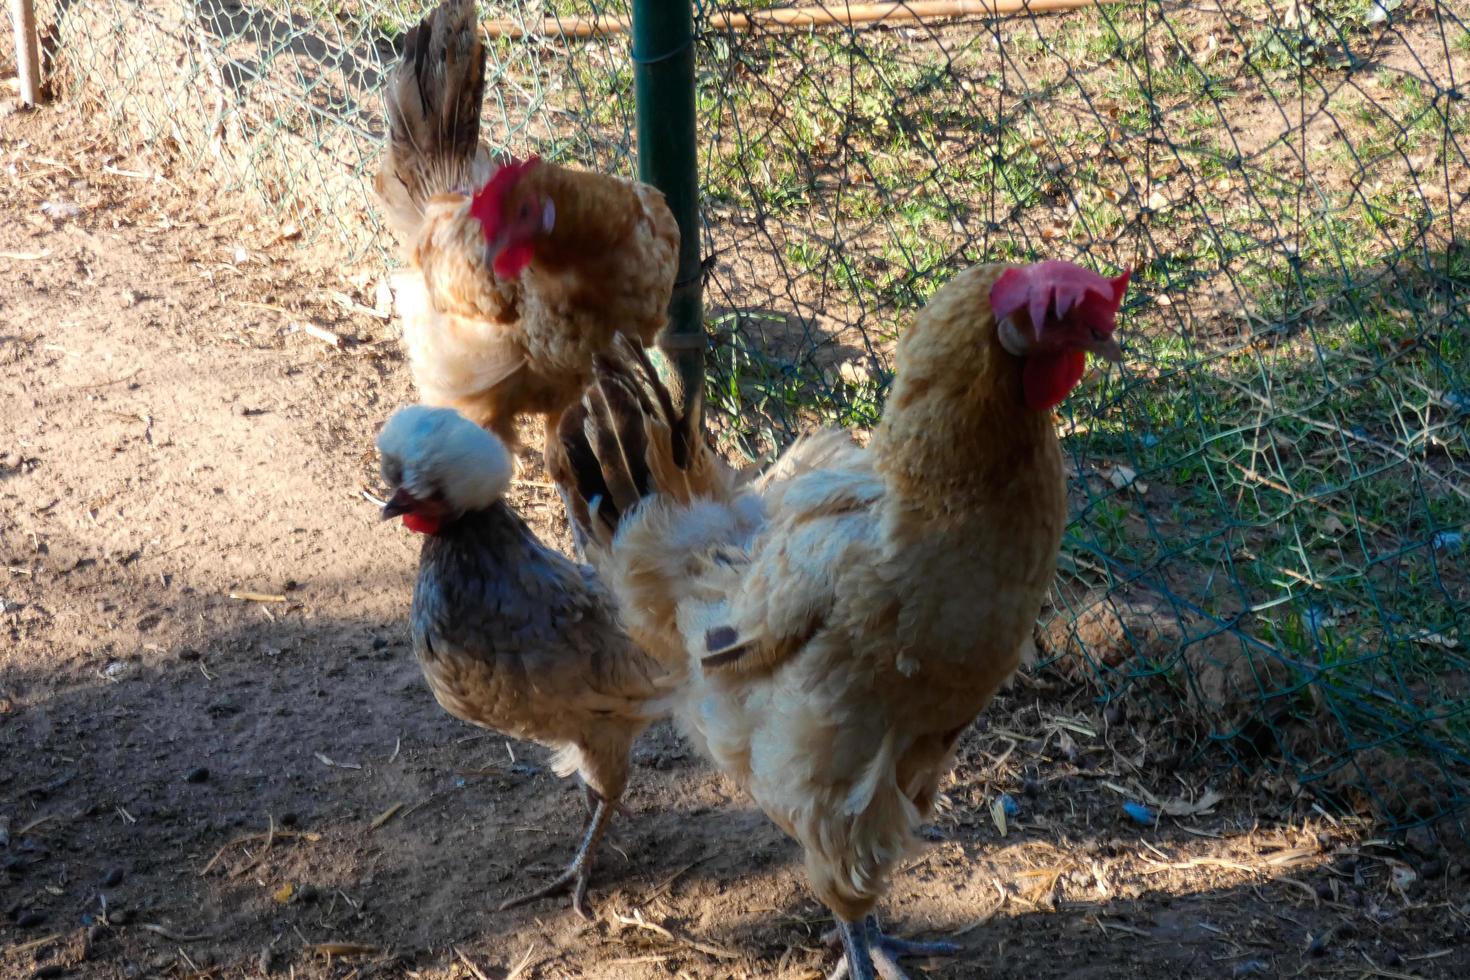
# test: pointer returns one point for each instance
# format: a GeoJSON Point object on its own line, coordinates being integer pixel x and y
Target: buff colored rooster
{"type": "Point", "coordinates": [511, 635]}
{"type": "Point", "coordinates": [847, 616]}
{"type": "Point", "coordinates": [519, 270]}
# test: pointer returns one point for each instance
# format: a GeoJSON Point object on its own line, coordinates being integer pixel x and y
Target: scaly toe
{"type": "Point", "coordinates": [571, 879]}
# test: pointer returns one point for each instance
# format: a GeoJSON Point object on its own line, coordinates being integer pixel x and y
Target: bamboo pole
{"type": "Point", "coordinates": [833, 13]}
{"type": "Point", "coordinates": [27, 57]}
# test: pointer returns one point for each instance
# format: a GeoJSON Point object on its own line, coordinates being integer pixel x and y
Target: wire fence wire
{"type": "Point", "coordinates": [1270, 498]}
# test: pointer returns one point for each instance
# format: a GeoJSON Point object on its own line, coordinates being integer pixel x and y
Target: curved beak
{"type": "Point", "coordinates": [1104, 346]}
{"type": "Point", "coordinates": [400, 503]}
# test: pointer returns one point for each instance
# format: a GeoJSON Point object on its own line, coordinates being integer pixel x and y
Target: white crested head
{"type": "Point", "coordinates": [438, 454]}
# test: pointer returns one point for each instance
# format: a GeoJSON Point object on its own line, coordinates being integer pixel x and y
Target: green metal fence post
{"type": "Point", "coordinates": [663, 78]}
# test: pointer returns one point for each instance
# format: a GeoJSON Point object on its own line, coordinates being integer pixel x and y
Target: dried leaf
{"type": "Point", "coordinates": [283, 894]}
{"type": "Point", "coordinates": [1185, 808]}
{"type": "Point", "coordinates": [998, 814]}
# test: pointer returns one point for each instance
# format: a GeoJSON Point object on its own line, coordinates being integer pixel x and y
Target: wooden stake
{"type": "Point", "coordinates": [835, 12]}
{"type": "Point", "coordinates": [27, 56]}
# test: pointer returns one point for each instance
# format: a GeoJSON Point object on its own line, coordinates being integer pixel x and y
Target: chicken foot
{"type": "Point", "coordinates": [869, 954]}
{"type": "Point", "coordinates": [575, 877]}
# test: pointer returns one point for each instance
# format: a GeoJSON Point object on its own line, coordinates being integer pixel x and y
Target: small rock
{"type": "Point", "coordinates": [112, 878]}
{"type": "Point", "coordinates": [188, 653]}
{"type": "Point", "coordinates": [1391, 957]}
{"type": "Point", "coordinates": [197, 775]}
{"type": "Point", "coordinates": [30, 918]}
{"type": "Point", "coordinates": [1431, 868]}
{"type": "Point", "coordinates": [48, 971]}
{"type": "Point", "coordinates": [119, 916]}
{"type": "Point", "coordinates": [1422, 841]}
{"type": "Point", "coordinates": [12, 461]}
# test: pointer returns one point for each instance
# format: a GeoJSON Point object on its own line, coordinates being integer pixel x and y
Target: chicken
{"type": "Point", "coordinates": [519, 270]}
{"type": "Point", "coordinates": [847, 615]}
{"type": "Point", "coordinates": [511, 635]}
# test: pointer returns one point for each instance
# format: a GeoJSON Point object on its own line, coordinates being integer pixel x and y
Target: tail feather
{"type": "Point", "coordinates": [432, 104]}
{"type": "Point", "coordinates": [625, 441]}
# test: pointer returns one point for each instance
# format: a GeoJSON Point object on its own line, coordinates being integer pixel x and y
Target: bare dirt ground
{"type": "Point", "coordinates": [198, 785]}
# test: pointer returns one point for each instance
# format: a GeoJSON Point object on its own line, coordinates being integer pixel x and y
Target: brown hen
{"type": "Point", "coordinates": [850, 613]}
{"type": "Point", "coordinates": [519, 271]}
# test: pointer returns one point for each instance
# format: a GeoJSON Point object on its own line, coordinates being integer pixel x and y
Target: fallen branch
{"type": "Point", "coordinates": [845, 14]}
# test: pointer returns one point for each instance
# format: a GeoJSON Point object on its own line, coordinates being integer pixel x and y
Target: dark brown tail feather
{"type": "Point", "coordinates": [609, 445]}
{"type": "Point", "coordinates": [433, 108]}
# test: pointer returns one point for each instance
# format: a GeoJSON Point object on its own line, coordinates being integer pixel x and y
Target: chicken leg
{"type": "Point", "coordinates": [576, 876]}
{"type": "Point", "coordinates": [869, 954]}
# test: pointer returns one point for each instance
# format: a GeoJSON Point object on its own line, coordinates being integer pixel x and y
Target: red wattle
{"type": "Point", "coordinates": [421, 523]}
{"type": "Point", "coordinates": [512, 261]}
{"type": "Point", "coordinates": [1048, 379]}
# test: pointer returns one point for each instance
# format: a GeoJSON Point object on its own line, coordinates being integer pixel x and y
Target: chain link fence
{"type": "Point", "coordinates": [1267, 560]}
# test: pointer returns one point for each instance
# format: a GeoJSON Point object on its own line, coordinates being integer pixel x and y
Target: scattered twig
{"type": "Point", "coordinates": [175, 937]}
{"type": "Point", "coordinates": [344, 949]}
{"type": "Point", "coordinates": [666, 884]}
{"type": "Point", "coordinates": [34, 824]}
{"type": "Point", "coordinates": [321, 333]}
{"type": "Point", "coordinates": [639, 922]}
{"type": "Point", "coordinates": [520, 967]}
{"type": "Point", "coordinates": [36, 943]}
{"type": "Point", "coordinates": [468, 964]}
{"type": "Point", "coordinates": [269, 835]}
{"type": "Point", "coordinates": [327, 760]}
{"type": "Point", "coordinates": [385, 816]}
{"type": "Point", "coordinates": [257, 597]}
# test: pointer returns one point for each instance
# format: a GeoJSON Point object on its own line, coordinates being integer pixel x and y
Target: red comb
{"type": "Point", "coordinates": [1059, 288]}
{"type": "Point", "coordinates": [487, 200]}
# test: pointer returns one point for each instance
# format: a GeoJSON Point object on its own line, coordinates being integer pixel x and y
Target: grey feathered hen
{"type": "Point", "coordinates": [511, 635]}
